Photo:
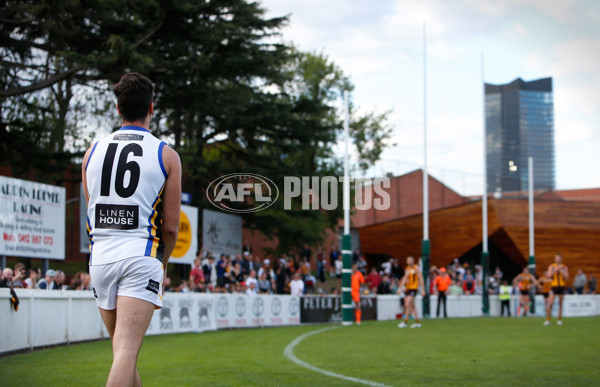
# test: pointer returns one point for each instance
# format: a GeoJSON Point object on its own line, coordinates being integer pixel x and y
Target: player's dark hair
{"type": "Point", "coordinates": [134, 93]}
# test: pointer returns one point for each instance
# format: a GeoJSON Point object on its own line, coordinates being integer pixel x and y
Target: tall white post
{"type": "Point", "coordinates": [425, 244]}
{"type": "Point", "coordinates": [531, 227]}
{"type": "Point", "coordinates": [347, 307]}
{"type": "Point", "coordinates": [485, 255]}
{"type": "Point", "coordinates": [425, 172]}
{"type": "Point", "coordinates": [346, 185]}
{"type": "Point", "coordinates": [484, 226]}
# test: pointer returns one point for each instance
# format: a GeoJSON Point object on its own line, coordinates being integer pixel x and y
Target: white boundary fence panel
{"type": "Point", "coordinates": [47, 317]}
{"type": "Point", "coordinates": [50, 317]}
{"type": "Point", "coordinates": [388, 306]}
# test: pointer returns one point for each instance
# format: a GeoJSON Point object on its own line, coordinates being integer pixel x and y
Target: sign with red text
{"type": "Point", "coordinates": [32, 219]}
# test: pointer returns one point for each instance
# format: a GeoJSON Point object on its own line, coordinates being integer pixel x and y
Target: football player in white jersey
{"type": "Point", "coordinates": [132, 182]}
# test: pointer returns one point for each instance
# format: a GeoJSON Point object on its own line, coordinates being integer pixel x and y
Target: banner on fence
{"type": "Point", "coordinates": [199, 312]}
{"type": "Point", "coordinates": [329, 308]}
{"type": "Point", "coordinates": [187, 240]}
{"type": "Point", "coordinates": [32, 219]}
{"type": "Point", "coordinates": [221, 233]}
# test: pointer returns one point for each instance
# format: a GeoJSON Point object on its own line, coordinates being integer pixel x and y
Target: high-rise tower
{"type": "Point", "coordinates": [519, 123]}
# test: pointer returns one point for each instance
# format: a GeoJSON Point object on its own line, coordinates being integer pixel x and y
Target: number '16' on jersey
{"type": "Point", "coordinates": [125, 180]}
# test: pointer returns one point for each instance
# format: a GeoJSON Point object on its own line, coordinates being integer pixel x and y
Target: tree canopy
{"type": "Point", "coordinates": [229, 96]}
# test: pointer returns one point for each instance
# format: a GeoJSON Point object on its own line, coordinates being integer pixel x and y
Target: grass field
{"type": "Point", "coordinates": [461, 352]}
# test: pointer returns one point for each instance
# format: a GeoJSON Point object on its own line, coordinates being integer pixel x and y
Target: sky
{"type": "Point", "coordinates": [379, 45]}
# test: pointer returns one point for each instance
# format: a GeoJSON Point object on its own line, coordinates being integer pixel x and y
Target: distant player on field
{"type": "Point", "coordinates": [357, 280]}
{"type": "Point", "coordinates": [545, 285]}
{"type": "Point", "coordinates": [559, 274]}
{"type": "Point", "coordinates": [412, 281]}
{"type": "Point", "coordinates": [524, 281]}
{"type": "Point", "coordinates": [132, 182]}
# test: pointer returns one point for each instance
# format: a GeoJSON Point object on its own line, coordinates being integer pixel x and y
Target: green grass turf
{"type": "Point", "coordinates": [480, 351]}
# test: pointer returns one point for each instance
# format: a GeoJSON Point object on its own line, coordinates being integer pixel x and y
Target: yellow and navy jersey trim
{"type": "Point", "coordinates": [88, 227]}
{"type": "Point", "coordinates": [90, 157]}
{"type": "Point", "coordinates": [160, 158]}
{"type": "Point", "coordinates": [156, 246]}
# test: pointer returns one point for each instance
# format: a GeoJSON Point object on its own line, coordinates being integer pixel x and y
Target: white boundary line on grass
{"type": "Point", "coordinates": [289, 353]}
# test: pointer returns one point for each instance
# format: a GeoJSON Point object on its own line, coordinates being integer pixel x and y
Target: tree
{"type": "Point", "coordinates": [228, 97]}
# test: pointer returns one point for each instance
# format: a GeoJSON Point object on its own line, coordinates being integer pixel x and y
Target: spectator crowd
{"type": "Point", "coordinates": [292, 274]}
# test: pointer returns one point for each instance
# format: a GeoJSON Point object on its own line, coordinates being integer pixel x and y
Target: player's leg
{"type": "Point", "coordinates": [357, 310]}
{"type": "Point", "coordinates": [132, 319]}
{"type": "Point", "coordinates": [445, 301]}
{"type": "Point", "coordinates": [560, 308]}
{"type": "Point", "coordinates": [439, 300]}
{"type": "Point", "coordinates": [415, 314]}
{"type": "Point", "coordinates": [525, 305]}
{"type": "Point", "coordinates": [407, 310]}
{"type": "Point", "coordinates": [110, 319]}
{"type": "Point", "coordinates": [549, 308]}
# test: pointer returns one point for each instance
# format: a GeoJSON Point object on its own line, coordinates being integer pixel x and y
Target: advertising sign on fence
{"type": "Point", "coordinates": [329, 308]}
{"type": "Point", "coordinates": [187, 240]}
{"type": "Point", "coordinates": [32, 219]}
{"type": "Point", "coordinates": [221, 233]}
{"type": "Point", "coordinates": [240, 310]}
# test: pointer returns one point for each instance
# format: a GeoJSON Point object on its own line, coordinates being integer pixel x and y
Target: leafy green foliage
{"type": "Point", "coordinates": [229, 98]}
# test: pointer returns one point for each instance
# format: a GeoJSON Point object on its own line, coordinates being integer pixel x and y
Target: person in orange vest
{"type": "Point", "coordinates": [559, 274]}
{"type": "Point", "coordinates": [442, 283]}
{"type": "Point", "coordinates": [357, 280]}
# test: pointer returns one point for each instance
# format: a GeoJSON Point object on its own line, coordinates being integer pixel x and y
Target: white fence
{"type": "Point", "coordinates": [388, 307]}
{"type": "Point", "coordinates": [56, 317]}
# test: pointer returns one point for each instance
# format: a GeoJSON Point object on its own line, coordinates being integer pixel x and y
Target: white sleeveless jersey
{"type": "Point", "coordinates": [125, 180]}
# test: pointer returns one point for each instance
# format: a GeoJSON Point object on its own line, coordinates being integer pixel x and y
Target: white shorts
{"type": "Point", "coordinates": [137, 277]}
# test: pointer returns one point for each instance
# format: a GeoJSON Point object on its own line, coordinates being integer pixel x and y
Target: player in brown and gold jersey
{"type": "Point", "coordinates": [524, 281]}
{"type": "Point", "coordinates": [559, 274]}
{"type": "Point", "coordinates": [544, 284]}
{"type": "Point", "coordinates": [412, 281]}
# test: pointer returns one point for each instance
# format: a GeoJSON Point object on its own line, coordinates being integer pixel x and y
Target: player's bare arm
{"type": "Point", "coordinates": [565, 272]}
{"type": "Point", "coordinates": [402, 282]}
{"type": "Point", "coordinates": [421, 284]}
{"type": "Point", "coordinates": [86, 157]}
{"type": "Point", "coordinates": [171, 201]}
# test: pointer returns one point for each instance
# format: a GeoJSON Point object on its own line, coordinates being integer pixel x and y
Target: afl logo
{"type": "Point", "coordinates": [242, 192]}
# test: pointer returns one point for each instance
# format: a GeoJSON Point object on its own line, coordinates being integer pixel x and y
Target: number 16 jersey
{"type": "Point", "coordinates": [125, 181]}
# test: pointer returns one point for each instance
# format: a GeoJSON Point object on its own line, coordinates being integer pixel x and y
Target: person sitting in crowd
{"type": "Point", "coordinates": [456, 289]}
{"type": "Point", "coordinates": [384, 286]}
{"type": "Point", "coordinates": [210, 272]}
{"type": "Point", "coordinates": [251, 288]}
{"type": "Point", "coordinates": [297, 285]}
{"type": "Point", "coordinates": [361, 265]}
{"type": "Point", "coordinates": [85, 280]}
{"type": "Point", "coordinates": [19, 276]}
{"type": "Point", "coordinates": [284, 276]}
{"type": "Point", "coordinates": [60, 280]}
{"type": "Point", "coordinates": [251, 279]}
{"type": "Point", "coordinates": [579, 282]}
{"type": "Point", "coordinates": [264, 285]}
{"type": "Point", "coordinates": [7, 278]}
{"type": "Point", "coordinates": [34, 276]}
{"type": "Point", "coordinates": [197, 274]}
{"type": "Point", "coordinates": [373, 280]}
{"type": "Point", "coordinates": [468, 282]}
{"type": "Point", "coordinates": [48, 282]}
